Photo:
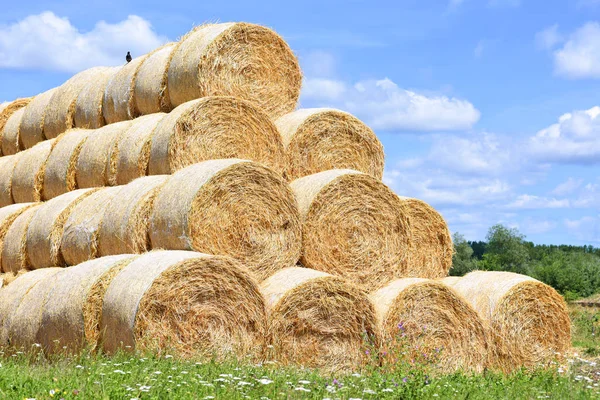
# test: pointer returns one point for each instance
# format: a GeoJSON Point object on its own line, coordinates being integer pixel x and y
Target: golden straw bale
{"type": "Point", "coordinates": [213, 128]}
{"type": "Point", "coordinates": [7, 278]}
{"type": "Point", "coordinates": [3, 105]}
{"type": "Point", "coordinates": [14, 246]}
{"type": "Point", "coordinates": [60, 172]}
{"type": "Point", "coordinates": [528, 321]}
{"type": "Point", "coordinates": [68, 324]}
{"type": "Point", "coordinates": [11, 108]}
{"type": "Point", "coordinates": [132, 152]}
{"type": "Point", "coordinates": [187, 302]}
{"type": "Point", "coordinates": [8, 215]}
{"type": "Point", "coordinates": [235, 59]}
{"type": "Point", "coordinates": [318, 320]}
{"type": "Point", "coordinates": [7, 166]}
{"type": "Point", "coordinates": [89, 103]}
{"type": "Point", "coordinates": [426, 320]}
{"type": "Point", "coordinates": [32, 124]}
{"type": "Point", "coordinates": [10, 134]}
{"type": "Point", "coordinates": [450, 280]}
{"type": "Point", "coordinates": [79, 242]}
{"type": "Point", "coordinates": [12, 296]}
{"type": "Point", "coordinates": [119, 96]}
{"type": "Point", "coordinates": [23, 326]}
{"type": "Point", "coordinates": [431, 247]}
{"type": "Point", "coordinates": [151, 92]}
{"type": "Point", "coordinates": [97, 155]}
{"type": "Point", "coordinates": [229, 207]}
{"type": "Point", "coordinates": [45, 230]}
{"type": "Point", "coordinates": [60, 111]}
{"type": "Point", "coordinates": [28, 174]}
{"type": "Point", "coordinates": [354, 226]}
{"type": "Point", "coordinates": [125, 224]}
{"type": "Point", "coordinates": [320, 139]}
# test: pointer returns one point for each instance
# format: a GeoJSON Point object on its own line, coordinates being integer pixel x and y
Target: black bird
{"type": "Point", "coordinates": [128, 57]}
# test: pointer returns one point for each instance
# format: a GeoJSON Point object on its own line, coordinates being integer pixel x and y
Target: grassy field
{"type": "Point", "coordinates": [127, 377]}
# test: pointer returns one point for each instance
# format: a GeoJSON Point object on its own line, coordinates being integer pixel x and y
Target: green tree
{"type": "Point", "coordinates": [462, 260]}
{"type": "Point", "coordinates": [506, 250]}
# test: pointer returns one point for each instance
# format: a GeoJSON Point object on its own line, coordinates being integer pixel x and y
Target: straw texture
{"type": "Point", "coordinates": [528, 320]}
{"type": "Point", "coordinates": [7, 166]}
{"type": "Point", "coordinates": [229, 207]}
{"type": "Point", "coordinates": [353, 226]}
{"type": "Point", "coordinates": [46, 229]}
{"type": "Point", "coordinates": [97, 154]}
{"type": "Point", "coordinates": [320, 139]}
{"type": "Point", "coordinates": [89, 103]}
{"type": "Point", "coordinates": [235, 59]}
{"type": "Point", "coordinates": [8, 111]}
{"type": "Point", "coordinates": [28, 174]}
{"type": "Point", "coordinates": [60, 111]}
{"type": "Point", "coordinates": [133, 150]}
{"type": "Point", "coordinates": [14, 247]}
{"type": "Point", "coordinates": [318, 320]}
{"type": "Point", "coordinates": [8, 215]}
{"type": "Point", "coordinates": [151, 92]}
{"type": "Point", "coordinates": [64, 326]}
{"type": "Point", "coordinates": [423, 318]}
{"type": "Point", "coordinates": [124, 227]}
{"type": "Point", "coordinates": [119, 95]}
{"type": "Point", "coordinates": [79, 241]}
{"type": "Point", "coordinates": [10, 135]}
{"type": "Point", "coordinates": [32, 123]}
{"type": "Point", "coordinates": [213, 128]}
{"type": "Point", "coordinates": [186, 302]}
{"type": "Point", "coordinates": [59, 173]}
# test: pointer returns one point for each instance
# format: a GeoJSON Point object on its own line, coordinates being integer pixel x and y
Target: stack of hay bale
{"type": "Point", "coordinates": [198, 212]}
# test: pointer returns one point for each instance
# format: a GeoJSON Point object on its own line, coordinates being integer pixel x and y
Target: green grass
{"type": "Point", "coordinates": [586, 329]}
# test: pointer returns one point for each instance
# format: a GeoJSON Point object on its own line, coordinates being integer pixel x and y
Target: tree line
{"type": "Point", "coordinates": [572, 270]}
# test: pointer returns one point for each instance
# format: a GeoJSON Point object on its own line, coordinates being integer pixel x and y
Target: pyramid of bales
{"type": "Point", "coordinates": [182, 203]}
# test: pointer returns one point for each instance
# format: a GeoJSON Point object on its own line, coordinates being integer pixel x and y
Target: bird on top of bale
{"type": "Point", "coordinates": [128, 57]}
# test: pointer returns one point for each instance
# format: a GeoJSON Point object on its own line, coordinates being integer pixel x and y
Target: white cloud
{"type": "Point", "coordinates": [535, 226]}
{"type": "Point", "coordinates": [548, 38]}
{"type": "Point", "coordinates": [527, 201]}
{"type": "Point", "coordinates": [478, 52]}
{"type": "Point", "coordinates": [574, 139]}
{"type": "Point", "coordinates": [567, 187]}
{"type": "Point", "coordinates": [585, 228]}
{"type": "Point", "coordinates": [384, 105]}
{"type": "Point", "coordinates": [580, 55]}
{"type": "Point", "coordinates": [46, 41]}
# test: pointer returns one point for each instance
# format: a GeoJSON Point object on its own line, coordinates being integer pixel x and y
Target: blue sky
{"type": "Point", "coordinates": [488, 109]}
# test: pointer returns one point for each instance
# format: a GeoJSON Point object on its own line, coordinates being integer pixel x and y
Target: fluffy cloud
{"type": "Point", "coordinates": [384, 105]}
{"type": "Point", "coordinates": [574, 139]}
{"type": "Point", "coordinates": [585, 228]}
{"type": "Point", "coordinates": [567, 186]}
{"type": "Point", "coordinates": [579, 57]}
{"type": "Point", "coordinates": [527, 201]}
{"type": "Point", "coordinates": [46, 41]}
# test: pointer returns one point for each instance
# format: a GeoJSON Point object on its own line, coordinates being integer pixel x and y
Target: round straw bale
{"type": "Point", "coordinates": [80, 233]}
{"type": "Point", "coordinates": [7, 278]}
{"type": "Point", "coordinates": [97, 155]}
{"type": "Point", "coordinates": [59, 173]}
{"type": "Point", "coordinates": [8, 215]}
{"type": "Point", "coordinates": [7, 166]}
{"type": "Point", "coordinates": [14, 247]}
{"type": "Point", "coordinates": [32, 124]}
{"type": "Point", "coordinates": [13, 294]}
{"type": "Point", "coordinates": [10, 134]}
{"type": "Point", "coordinates": [353, 226]}
{"type": "Point", "coordinates": [229, 207]}
{"type": "Point", "coordinates": [68, 322]}
{"type": "Point", "coordinates": [450, 280]}
{"type": "Point", "coordinates": [61, 108]}
{"type": "Point", "coordinates": [318, 320]}
{"type": "Point", "coordinates": [3, 105]}
{"type": "Point", "coordinates": [89, 103]}
{"type": "Point", "coordinates": [119, 96]}
{"type": "Point", "coordinates": [46, 229]}
{"type": "Point", "coordinates": [235, 59]}
{"type": "Point", "coordinates": [11, 108]}
{"type": "Point", "coordinates": [125, 224]}
{"type": "Point", "coordinates": [528, 320]}
{"type": "Point", "coordinates": [23, 326]}
{"type": "Point", "coordinates": [28, 175]}
{"type": "Point", "coordinates": [133, 150]}
{"type": "Point", "coordinates": [212, 128]}
{"type": "Point", "coordinates": [320, 139]}
{"type": "Point", "coordinates": [425, 319]}
{"type": "Point", "coordinates": [431, 247]}
{"type": "Point", "coordinates": [151, 92]}
{"type": "Point", "coordinates": [184, 301]}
